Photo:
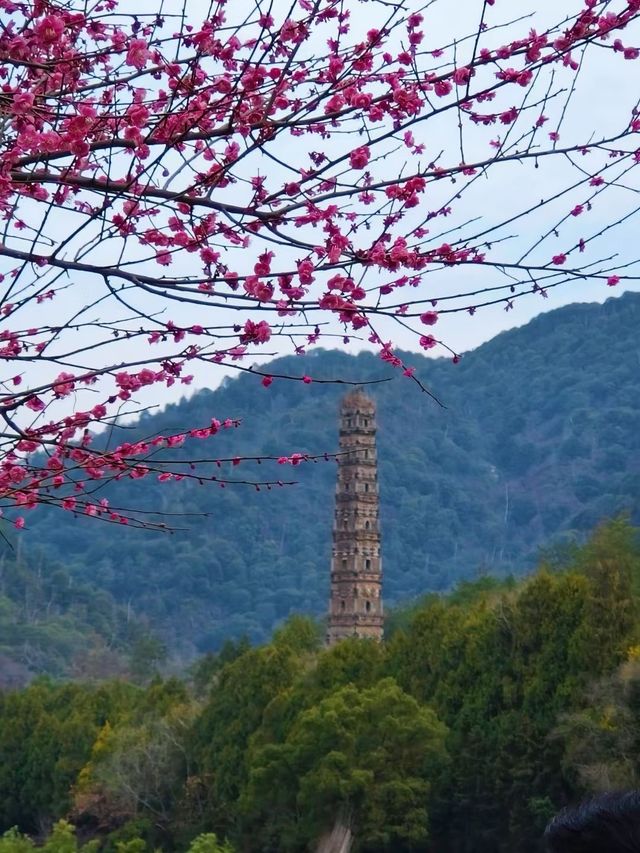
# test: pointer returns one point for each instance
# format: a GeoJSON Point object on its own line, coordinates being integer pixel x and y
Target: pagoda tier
{"type": "Point", "coordinates": [355, 607]}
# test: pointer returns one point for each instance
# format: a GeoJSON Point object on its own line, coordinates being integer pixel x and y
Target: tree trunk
{"type": "Point", "coordinates": [338, 840]}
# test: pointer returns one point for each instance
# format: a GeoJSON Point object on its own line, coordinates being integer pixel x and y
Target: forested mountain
{"type": "Point", "coordinates": [539, 440]}
{"type": "Point", "coordinates": [53, 623]}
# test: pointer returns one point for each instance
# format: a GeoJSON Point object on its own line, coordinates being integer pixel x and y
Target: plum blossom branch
{"type": "Point", "coordinates": [239, 182]}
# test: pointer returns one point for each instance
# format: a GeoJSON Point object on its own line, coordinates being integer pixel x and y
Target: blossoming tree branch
{"type": "Point", "coordinates": [209, 186]}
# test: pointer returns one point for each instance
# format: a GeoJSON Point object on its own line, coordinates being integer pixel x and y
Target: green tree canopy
{"type": "Point", "coordinates": [365, 756]}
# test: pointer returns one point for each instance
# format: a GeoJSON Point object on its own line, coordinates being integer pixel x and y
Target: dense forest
{"type": "Point", "coordinates": [481, 714]}
{"type": "Point", "coordinates": [539, 441]}
{"type": "Point", "coordinates": [51, 622]}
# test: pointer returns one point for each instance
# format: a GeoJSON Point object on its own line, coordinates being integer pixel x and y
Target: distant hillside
{"type": "Point", "coordinates": [539, 441]}
{"type": "Point", "coordinates": [52, 623]}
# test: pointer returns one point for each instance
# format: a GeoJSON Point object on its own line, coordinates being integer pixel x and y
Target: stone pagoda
{"type": "Point", "coordinates": [355, 608]}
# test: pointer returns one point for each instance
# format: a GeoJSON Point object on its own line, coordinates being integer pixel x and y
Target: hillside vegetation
{"type": "Point", "coordinates": [539, 441]}
{"type": "Point", "coordinates": [52, 623]}
{"type": "Point", "coordinates": [481, 714]}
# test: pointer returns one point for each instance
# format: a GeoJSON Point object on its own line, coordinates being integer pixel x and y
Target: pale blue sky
{"type": "Point", "coordinates": [607, 89]}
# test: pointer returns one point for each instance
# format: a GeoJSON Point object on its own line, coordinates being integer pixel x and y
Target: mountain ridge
{"type": "Point", "coordinates": [538, 442]}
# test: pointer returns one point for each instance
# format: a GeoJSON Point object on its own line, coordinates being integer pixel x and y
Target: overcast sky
{"type": "Point", "coordinates": [607, 88]}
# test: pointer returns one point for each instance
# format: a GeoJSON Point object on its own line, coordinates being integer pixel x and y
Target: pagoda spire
{"type": "Point", "coordinates": [355, 606]}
